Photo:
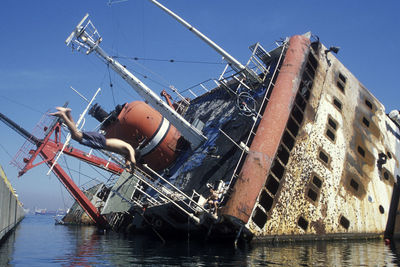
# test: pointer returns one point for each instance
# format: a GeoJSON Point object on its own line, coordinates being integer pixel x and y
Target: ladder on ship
{"type": "Point", "coordinates": [260, 56]}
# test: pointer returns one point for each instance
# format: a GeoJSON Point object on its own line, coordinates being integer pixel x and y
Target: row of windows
{"type": "Point", "coordinates": [315, 183]}
{"type": "Point", "coordinates": [303, 223]}
{"type": "Point", "coordinates": [272, 185]}
{"type": "Point", "coordinates": [341, 85]}
{"type": "Point", "coordinates": [343, 221]}
{"type": "Point", "coordinates": [267, 196]}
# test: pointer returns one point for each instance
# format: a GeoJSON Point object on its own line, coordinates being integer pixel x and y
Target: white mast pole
{"type": "Point", "coordinates": [89, 39]}
{"type": "Point", "coordinates": [230, 59]}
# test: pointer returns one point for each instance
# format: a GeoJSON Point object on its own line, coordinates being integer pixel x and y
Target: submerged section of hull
{"type": "Point", "coordinates": [11, 210]}
{"type": "Point", "coordinates": [76, 215]}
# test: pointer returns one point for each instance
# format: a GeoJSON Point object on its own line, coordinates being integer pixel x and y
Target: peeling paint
{"type": "Point", "coordinates": [351, 174]}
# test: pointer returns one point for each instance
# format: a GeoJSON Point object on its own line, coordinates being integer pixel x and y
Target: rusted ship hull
{"type": "Point", "coordinates": [315, 159]}
{"type": "Point", "coordinates": [326, 179]}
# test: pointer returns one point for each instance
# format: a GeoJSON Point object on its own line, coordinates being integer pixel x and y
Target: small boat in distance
{"type": "Point", "coordinates": [40, 211]}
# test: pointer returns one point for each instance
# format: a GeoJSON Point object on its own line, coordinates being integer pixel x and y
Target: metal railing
{"type": "Point", "coordinates": [262, 106]}
{"type": "Point", "coordinates": [163, 192]}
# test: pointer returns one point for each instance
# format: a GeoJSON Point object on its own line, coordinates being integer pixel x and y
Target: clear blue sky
{"type": "Point", "coordinates": [37, 69]}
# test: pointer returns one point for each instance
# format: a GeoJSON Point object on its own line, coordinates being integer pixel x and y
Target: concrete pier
{"type": "Point", "coordinates": [11, 210]}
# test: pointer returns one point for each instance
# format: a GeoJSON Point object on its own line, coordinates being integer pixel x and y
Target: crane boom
{"type": "Point", "coordinates": [21, 131]}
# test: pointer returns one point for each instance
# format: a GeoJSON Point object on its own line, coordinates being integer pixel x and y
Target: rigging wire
{"type": "Point", "coordinates": [111, 2]}
{"type": "Point", "coordinates": [5, 150]}
{"type": "Point", "coordinates": [79, 177]}
{"type": "Point", "coordinates": [79, 172]}
{"type": "Point", "coordinates": [21, 104]}
{"type": "Point", "coordinates": [167, 83]}
{"type": "Point", "coordinates": [98, 172]}
{"type": "Point", "coordinates": [85, 175]}
{"type": "Point", "coordinates": [111, 84]}
{"type": "Point", "coordinates": [136, 59]}
{"type": "Point", "coordinates": [62, 196]}
{"type": "Point", "coordinates": [66, 164]}
{"type": "Point", "coordinates": [171, 60]}
{"type": "Point", "coordinates": [150, 79]}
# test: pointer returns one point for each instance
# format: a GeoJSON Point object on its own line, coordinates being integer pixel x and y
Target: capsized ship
{"type": "Point", "coordinates": [292, 144]}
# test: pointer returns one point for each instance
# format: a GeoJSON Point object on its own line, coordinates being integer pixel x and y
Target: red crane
{"type": "Point", "coordinates": [47, 148]}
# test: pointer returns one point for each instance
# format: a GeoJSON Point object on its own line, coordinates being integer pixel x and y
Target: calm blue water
{"type": "Point", "coordinates": [38, 242]}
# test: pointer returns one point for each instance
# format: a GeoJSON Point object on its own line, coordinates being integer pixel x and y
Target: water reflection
{"type": "Point", "coordinates": [7, 249]}
{"type": "Point", "coordinates": [38, 242]}
{"type": "Point", "coordinates": [343, 253]}
{"type": "Point", "coordinates": [93, 248]}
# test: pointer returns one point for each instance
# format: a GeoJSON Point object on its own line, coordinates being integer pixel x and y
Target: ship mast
{"type": "Point", "coordinates": [235, 64]}
{"type": "Point", "coordinates": [87, 37]}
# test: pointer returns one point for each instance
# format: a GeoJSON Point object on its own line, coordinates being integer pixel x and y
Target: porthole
{"type": "Point", "coordinates": [381, 209]}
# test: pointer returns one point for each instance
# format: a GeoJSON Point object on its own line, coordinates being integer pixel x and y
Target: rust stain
{"type": "Point", "coordinates": [318, 226]}
{"type": "Point", "coordinates": [268, 136]}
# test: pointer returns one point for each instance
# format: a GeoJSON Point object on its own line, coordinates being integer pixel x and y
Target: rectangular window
{"type": "Point", "coordinates": [337, 103]}
{"type": "Point", "coordinates": [340, 86]}
{"type": "Point", "coordinates": [316, 181]}
{"type": "Point", "coordinates": [300, 102]}
{"type": "Point", "coordinates": [277, 169]}
{"type": "Point", "coordinates": [354, 184]}
{"type": "Point", "coordinates": [297, 114]}
{"type": "Point", "coordinates": [266, 200]}
{"type": "Point", "coordinates": [292, 126]}
{"type": "Point", "coordinates": [332, 123]}
{"type": "Point", "coordinates": [361, 151]}
{"type": "Point", "coordinates": [272, 185]}
{"type": "Point", "coordinates": [312, 194]}
{"type": "Point", "coordinates": [365, 122]}
{"type": "Point", "coordinates": [342, 78]}
{"type": "Point", "coordinates": [283, 154]}
{"type": "Point", "coordinates": [331, 135]}
{"type": "Point", "coordinates": [259, 218]}
{"type": "Point", "coordinates": [303, 223]}
{"type": "Point", "coordinates": [288, 140]}
{"type": "Point", "coordinates": [369, 104]}
{"type": "Point", "coordinates": [344, 222]}
{"type": "Point", "coordinates": [324, 157]}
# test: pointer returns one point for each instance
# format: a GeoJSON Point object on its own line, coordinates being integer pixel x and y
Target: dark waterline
{"type": "Point", "coordinates": [37, 241]}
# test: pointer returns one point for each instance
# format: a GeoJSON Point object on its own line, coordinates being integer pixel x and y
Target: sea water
{"type": "Point", "coordinates": [37, 241]}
